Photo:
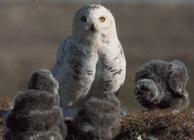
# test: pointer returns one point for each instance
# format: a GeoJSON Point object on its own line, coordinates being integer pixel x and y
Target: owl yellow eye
{"type": "Point", "coordinates": [83, 19]}
{"type": "Point", "coordinates": [102, 19]}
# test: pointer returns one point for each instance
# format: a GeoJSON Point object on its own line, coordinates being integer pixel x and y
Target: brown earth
{"type": "Point", "coordinates": [31, 33]}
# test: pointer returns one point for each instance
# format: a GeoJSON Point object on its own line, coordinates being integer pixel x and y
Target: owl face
{"type": "Point", "coordinates": [93, 19]}
{"type": "Point", "coordinates": [146, 91]}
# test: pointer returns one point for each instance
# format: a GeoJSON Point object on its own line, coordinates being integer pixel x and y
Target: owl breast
{"type": "Point", "coordinates": [110, 70]}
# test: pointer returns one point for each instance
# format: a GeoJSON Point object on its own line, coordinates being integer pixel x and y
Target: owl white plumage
{"type": "Point", "coordinates": [92, 60]}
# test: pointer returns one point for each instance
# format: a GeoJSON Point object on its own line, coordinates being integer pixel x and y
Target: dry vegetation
{"type": "Point", "coordinates": [31, 32]}
{"type": "Point", "coordinates": [162, 125]}
{"type": "Point", "coordinates": [153, 125]}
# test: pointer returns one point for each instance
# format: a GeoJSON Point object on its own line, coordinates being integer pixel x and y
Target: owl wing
{"type": "Point", "coordinates": [111, 69]}
{"type": "Point", "coordinates": [74, 69]}
{"type": "Point", "coordinates": [62, 53]}
{"type": "Point", "coordinates": [123, 64]}
{"type": "Point", "coordinates": [61, 67]}
{"type": "Point", "coordinates": [121, 73]}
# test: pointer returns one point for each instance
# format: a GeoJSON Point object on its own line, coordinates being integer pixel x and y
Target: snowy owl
{"type": "Point", "coordinates": [161, 84]}
{"type": "Point", "coordinates": [92, 60]}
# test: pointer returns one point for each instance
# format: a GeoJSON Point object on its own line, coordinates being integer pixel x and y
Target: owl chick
{"type": "Point", "coordinates": [91, 61]}
{"type": "Point", "coordinates": [43, 80]}
{"type": "Point", "coordinates": [36, 114]}
{"type": "Point", "coordinates": [99, 118]}
{"type": "Point", "coordinates": [162, 84]}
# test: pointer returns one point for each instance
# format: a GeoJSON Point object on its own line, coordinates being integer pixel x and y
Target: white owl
{"type": "Point", "coordinates": [92, 60]}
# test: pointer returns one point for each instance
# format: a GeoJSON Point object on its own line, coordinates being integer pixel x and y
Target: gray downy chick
{"type": "Point", "coordinates": [36, 114]}
{"type": "Point", "coordinates": [99, 118]}
{"type": "Point", "coordinates": [162, 84]}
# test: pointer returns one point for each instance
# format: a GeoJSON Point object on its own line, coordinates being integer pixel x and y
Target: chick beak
{"type": "Point", "coordinates": [92, 28]}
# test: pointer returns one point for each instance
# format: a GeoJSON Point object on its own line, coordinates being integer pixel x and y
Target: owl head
{"type": "Point", "coordinates": [178, 77]}
{"type": "Point", "coordinates": [43, 80]}
{"type": "Point", "coordinates": [147, 92]}
{"type": "Point", "coordinates": [92, 20]}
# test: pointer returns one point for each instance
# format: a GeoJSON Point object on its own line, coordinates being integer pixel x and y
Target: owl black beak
{"type": "Point", "coordinates": [92, 28]}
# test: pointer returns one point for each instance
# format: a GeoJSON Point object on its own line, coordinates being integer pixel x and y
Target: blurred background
{"type": "Point", "coordinates": [31, 31]}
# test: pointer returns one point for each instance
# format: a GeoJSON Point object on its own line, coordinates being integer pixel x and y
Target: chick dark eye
{"type": "Point", "coordinates": [83, 19]}
{"type": "Point", "coordinates": [102, 19]}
